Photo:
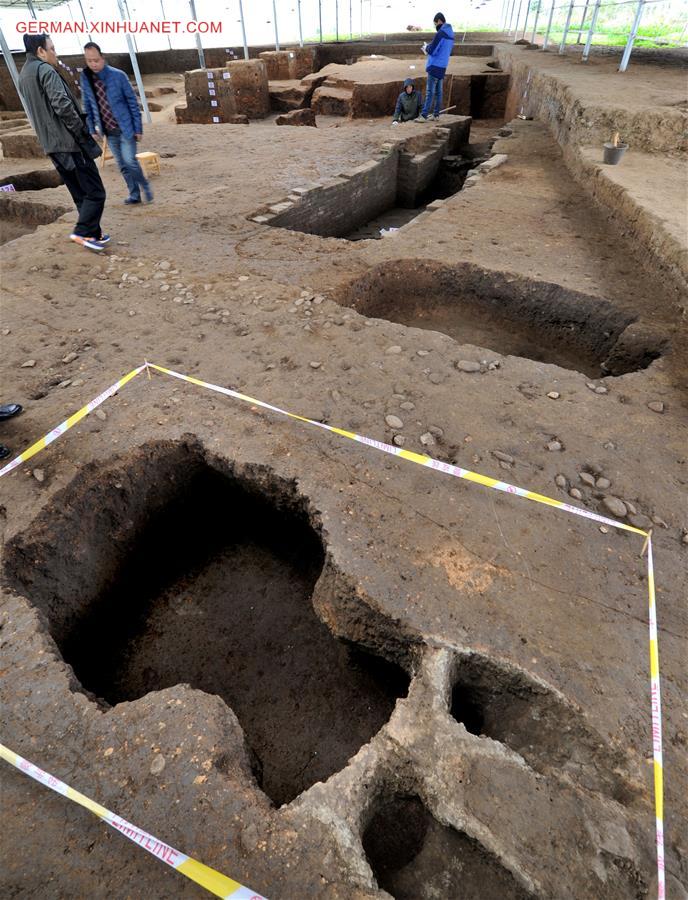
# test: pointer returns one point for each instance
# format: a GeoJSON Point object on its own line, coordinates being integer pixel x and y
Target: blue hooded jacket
{"type": "Point", "coordinates": [121, 97]}
{"type": "Point", "coordinates": [439, 50]}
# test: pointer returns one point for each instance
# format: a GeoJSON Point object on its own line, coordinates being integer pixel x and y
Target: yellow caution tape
{"type": "Point", "coordinates": [212, 881]}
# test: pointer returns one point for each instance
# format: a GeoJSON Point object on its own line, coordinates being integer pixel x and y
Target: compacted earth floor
{"type": "Point", "coordinates": [261, 673]}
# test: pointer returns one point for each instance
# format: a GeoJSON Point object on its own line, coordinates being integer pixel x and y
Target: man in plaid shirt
{"type": "Point", "coordinates": [112, 110]}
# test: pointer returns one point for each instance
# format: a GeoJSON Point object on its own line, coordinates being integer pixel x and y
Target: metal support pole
{"type": "Point", "coordinates": [632, 36]}
{"type": "Point", "coordinates": [361, 19]}
{"type": "Point", "coordinates": [351, 21]}
{"type": "Point", "coordinates": [525, 23]}
{"type": "Point", "coordinates": [549, 24]}
{"type": "Point", "coordinates": [243, 28]}
{"type": "Point", "coordinates": [580, 27]}
{"type": "Point", "coordinates": [135, 67]}
{"type": "Point", "coordinates": [511, 16]}
{"type": "Point", "coordinates": [83, 16]}
{"type": "Point", "coordinates": [518, 16]}
{"type": "Point", "coordinates": [535, 23]}
{"type": "Point", "coordinates": [31, 9]}
{"type": "Point", "coordinates": [12, 69]}
{"type": "Point", "coordinates": [562, 45]}
{"type": "Point", "coordinates": [164, 18]}
{"type": "Point", "coordinates": [320, 19]}
{"type": "Point", "coordinates": [336, 20]}
{"type": "Point", "coordinates": [274, 17]}
{"type": "Point", "coordinates": [126, 7]}
{"type": "Point", "coordinates": [591, 31]}
{"type": "Point", "coordinates": [298, 3]}
{"type": "Point", "coordinates": [199, 45]}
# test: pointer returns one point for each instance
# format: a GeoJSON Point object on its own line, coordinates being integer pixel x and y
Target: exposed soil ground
{"type": "Point", "coordinates": [362, 628]}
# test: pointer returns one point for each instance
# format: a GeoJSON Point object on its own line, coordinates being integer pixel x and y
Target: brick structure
{"type": "Point", "coordinates": [237, 89]}
{"type": "Point", "coordinates": [398, 174]}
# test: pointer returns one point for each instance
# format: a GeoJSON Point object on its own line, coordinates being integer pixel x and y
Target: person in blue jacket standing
{"type": "Point", "coordinates": [112, 111]}
{"type": "Point", "coordinates": [438, 53]}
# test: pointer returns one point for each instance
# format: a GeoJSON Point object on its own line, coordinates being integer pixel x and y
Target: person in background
{"type": "Point", "coordinates": [409, 103]}
{"type": "Point", "coordinates": [57, 119]}
{"type": "Point", "coordinates": [438, 53]}
{"type": "Point", "coordinates": [7, 410]}
{"type": "Point", "coordinates": [112, 111]}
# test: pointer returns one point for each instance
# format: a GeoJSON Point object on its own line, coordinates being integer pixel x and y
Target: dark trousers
{"type": "Point", "coordinates": [88, 192]}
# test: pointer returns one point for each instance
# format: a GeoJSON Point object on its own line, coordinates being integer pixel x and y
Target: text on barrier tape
{"type": "Point", "coordinates": [212, 881]}
{"type": "Point", "coordinates": [457, 472]}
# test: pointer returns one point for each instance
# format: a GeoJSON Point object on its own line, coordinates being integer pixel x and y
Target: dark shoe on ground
{"type": "Point", "coordinates": [88, 243]}
{"type": "Point", "coordinates": [132, 201]}
{"type": "Point", "coordinates": [7, 410]}
{"type": "Point", "coordinates": [104, 238]}
{"type": "Point", "coordinates": [4, 451]}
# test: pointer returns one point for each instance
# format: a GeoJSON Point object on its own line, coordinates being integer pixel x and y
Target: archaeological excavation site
{"type": "Point", "coordinates": [345, 514]}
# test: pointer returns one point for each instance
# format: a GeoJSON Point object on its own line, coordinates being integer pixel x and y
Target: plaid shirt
{"type": "Point", "coordinates": [106, 115]}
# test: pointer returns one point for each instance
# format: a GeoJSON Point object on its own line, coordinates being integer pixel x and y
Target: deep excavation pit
{"type": "Point", "coordinates": [19, 216]}
{"type": "Point", "coordinates": [37, 180]}
{"type": "Point", "coordinates": [505, 704]}
{"type": "Point", "coordinates": [168, 568]}
{"type": "Point", "coordinates": [508, 314]}
{"type": "Point", "coordinates": [415, 857]}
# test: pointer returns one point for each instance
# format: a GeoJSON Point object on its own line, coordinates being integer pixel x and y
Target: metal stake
{"type": "Point", "coordinates": [243, 28]}
{"type": "Point", "coordinates": [549, 24]}
{"type": "Point", "coordinates": [298, 3]}
{"type": "Point", "coordinates": [632, 36]}
{"type": "Point", "coordinates": [320, 19]}
{"type": "Point", "coordinates": [591, 31]}
{"type": "Point", "coordinates": [274, 16]}
{"type": "Point", "coordinates": [351, 21]}
{"type": "Point", "coordinates": [12, 68]}
{"type": "Point", "coordinates": [199, 45]}
{"type": "Point", "coordinates": [135, 67]}
{"type": "Point", "coordinates": [336, 20]}
{"type": "Point", "coordinates": [562, 45]}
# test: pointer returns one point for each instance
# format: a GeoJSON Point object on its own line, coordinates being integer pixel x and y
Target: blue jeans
{"type": "Point", "coordinates": [433, 92]}
{"type": "Point", "coordinates": [124, 151]}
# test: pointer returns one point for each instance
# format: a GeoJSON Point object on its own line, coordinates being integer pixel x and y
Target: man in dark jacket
{"type": "Point", "coordinates": [438, 53]}
{"type": "Point", "coordinates": [409, 103]}
{"type": "Point", "coordinates": [112, 110]}
{"type": "Point", "coordinates": [56, 116]}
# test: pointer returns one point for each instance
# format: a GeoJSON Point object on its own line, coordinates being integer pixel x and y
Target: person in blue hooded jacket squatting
{"type": "Point", "coordinates": [438, 53]}
{"type": "Point", "coordinates": [112, 111]}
